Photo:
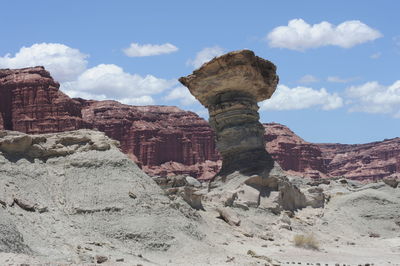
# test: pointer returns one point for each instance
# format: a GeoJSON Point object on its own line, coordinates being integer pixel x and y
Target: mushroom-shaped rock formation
{"type": "Point", "coordinates": [230, 87]}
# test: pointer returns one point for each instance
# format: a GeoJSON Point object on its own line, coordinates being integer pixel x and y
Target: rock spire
{"type": "Point", "coordinates": [230, 86]}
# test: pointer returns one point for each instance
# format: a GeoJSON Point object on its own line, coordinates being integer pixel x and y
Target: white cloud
{"type": "Point", "coordinates": [297, 98]}
{"type": "Point", "coordinates": [63, 63]}
{"type": "Point", "coordinates": [111, 82]}
{"type": "Point", "coordinates": [142, 100]}
{"type": "Point", "coordinates": [375, 55]}
{"type": "Point", "coordinates": [182, 94]}
{"type": "Point", "coordinates": [102, 82]}
{"type": "Point", "coordinates": [137, 50]}
{"type": "Point", "coordinates": [308, 79]}
{"type": "Point", "coordinates": [372, 97]}
{"type": "Point", "coordinates": [299, 35]}
{"type": "Point", "coordinates": [336, 79]}
{"type": "Point", "coordinates": [205, 55]}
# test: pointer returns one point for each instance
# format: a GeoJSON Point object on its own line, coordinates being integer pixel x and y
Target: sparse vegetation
{"type": "Point", "coordinates": [306, 241]}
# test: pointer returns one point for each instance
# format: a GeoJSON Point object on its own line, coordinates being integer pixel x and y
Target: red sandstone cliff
{"type": "Point", "coordinates": [292, 152]}
{"type": "Point", "coordinates": [167, 140]}
{"type": "Point", "coordinates": [31, 102]}
{"type": "Point", "coordinates": [162, 139]}
{"type": "Point", "coordinates": [370, 161]}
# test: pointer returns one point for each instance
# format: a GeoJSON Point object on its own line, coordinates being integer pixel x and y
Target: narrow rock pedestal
{"type": "Point", "coordinates": [230, 87]}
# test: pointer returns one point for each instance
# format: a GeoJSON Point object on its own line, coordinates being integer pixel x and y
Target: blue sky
{"type": "Point", "coordinates": [338, 61]}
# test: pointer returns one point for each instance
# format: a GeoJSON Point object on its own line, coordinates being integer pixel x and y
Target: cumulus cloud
{"type": "Point", "coordinates": [372, 97]}
{"type": "Point", "coordinates": [63, 62]}
{"type": "Point", "coordinates": [336, 79]}
{"type": "Point", "coordinates": [142, 100]}
{"type": "Point", "coordinates": [182, 94]}
{"type": "Point", "coordinates": [308, 79]}
{"type": "Point", "coordinates": [205, 55]}
{"type": "Point", "coordinates": [297, 98]}
{"type": "Point", "coordinates": [137, 50]}
{"type": "Point", "coordinates": [299, 35]}
{"type": "Point", "coordinates": [108, 81]}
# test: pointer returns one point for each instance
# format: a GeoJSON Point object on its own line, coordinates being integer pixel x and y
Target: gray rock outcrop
{"type": "Point", "coordinates": [72, 196]}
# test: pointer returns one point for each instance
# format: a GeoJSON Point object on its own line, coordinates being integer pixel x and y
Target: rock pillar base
{"type": "Point", "coordinates": [240, 136]}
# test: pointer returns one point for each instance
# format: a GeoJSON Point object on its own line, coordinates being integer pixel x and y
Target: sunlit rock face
{"type": "Point", "coordinates": [31, 102]}
{"type": "Point", "coordinates": [230, 87]}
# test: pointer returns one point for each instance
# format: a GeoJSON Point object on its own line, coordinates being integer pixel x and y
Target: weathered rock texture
{"type": "Point", "coordinates": [73, 196]}
{"type": "Point", "coordinates": [370, 161]}
{"type": "Point", "coordinates": [162, 139]}
{"type": "Point", "coordinates": [31, 102]}
{"type": "Point", "coordinates": [230, 87]}
{"type": "Point", "coordinates": [292, 152]}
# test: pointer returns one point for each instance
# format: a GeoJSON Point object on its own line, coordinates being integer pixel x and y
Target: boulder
{"type": "Point", "coordinates": [391, 181]}
{"type": "Point", "coordinates": [191, 181]}
{"type": "Point", "coordinates": [193, 197]}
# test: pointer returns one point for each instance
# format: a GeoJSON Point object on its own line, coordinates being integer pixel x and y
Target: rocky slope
{"type": "Point", "coordinates": [166, 140]}
{"type": "Point", "coordinates": [73, 198]}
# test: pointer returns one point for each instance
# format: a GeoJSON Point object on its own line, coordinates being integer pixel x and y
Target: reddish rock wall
{"type": "Point", "coordinates": [372, 161]}
{"type": "Point", "coordinates": [156, 136]}
{"type": "Point", "coordinates": [292, 152]}
{"type": "Point", "coordinates": [31, 102]}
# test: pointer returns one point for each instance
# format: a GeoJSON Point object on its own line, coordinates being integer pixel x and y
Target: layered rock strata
{"type": "Point", "coordinates": [370, 161]}
{"type": "Point", "coordinates": [31, 102]}
{"type": "Point", "coordinates": [230, 86]}
{"type": "Point", "coordinates": [163, 140]}
{"type": "Point", "coordinates": [293, 153]}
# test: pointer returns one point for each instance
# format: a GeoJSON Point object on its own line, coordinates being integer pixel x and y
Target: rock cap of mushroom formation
{"type": "Point", "coordinates": [240, 71]}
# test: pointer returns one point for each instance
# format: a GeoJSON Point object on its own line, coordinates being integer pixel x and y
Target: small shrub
{"type": "Point", "coordinates": [306, 241]}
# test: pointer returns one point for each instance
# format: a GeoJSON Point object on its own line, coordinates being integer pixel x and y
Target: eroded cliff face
{"type": "Point", "coordinates": [162, 139]}
{"type": "Point", "coordinates": [370, 161]}
{"type": "Point", "coordinates": [31, 102]}
{"type": "Point", "coordinates": [292, 152]}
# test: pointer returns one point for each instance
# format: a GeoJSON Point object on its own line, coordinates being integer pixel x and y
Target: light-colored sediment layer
{"type": "Point", "coordinates": [238, 71]}
{"type": "Point", "coordinates": [92, 201]}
